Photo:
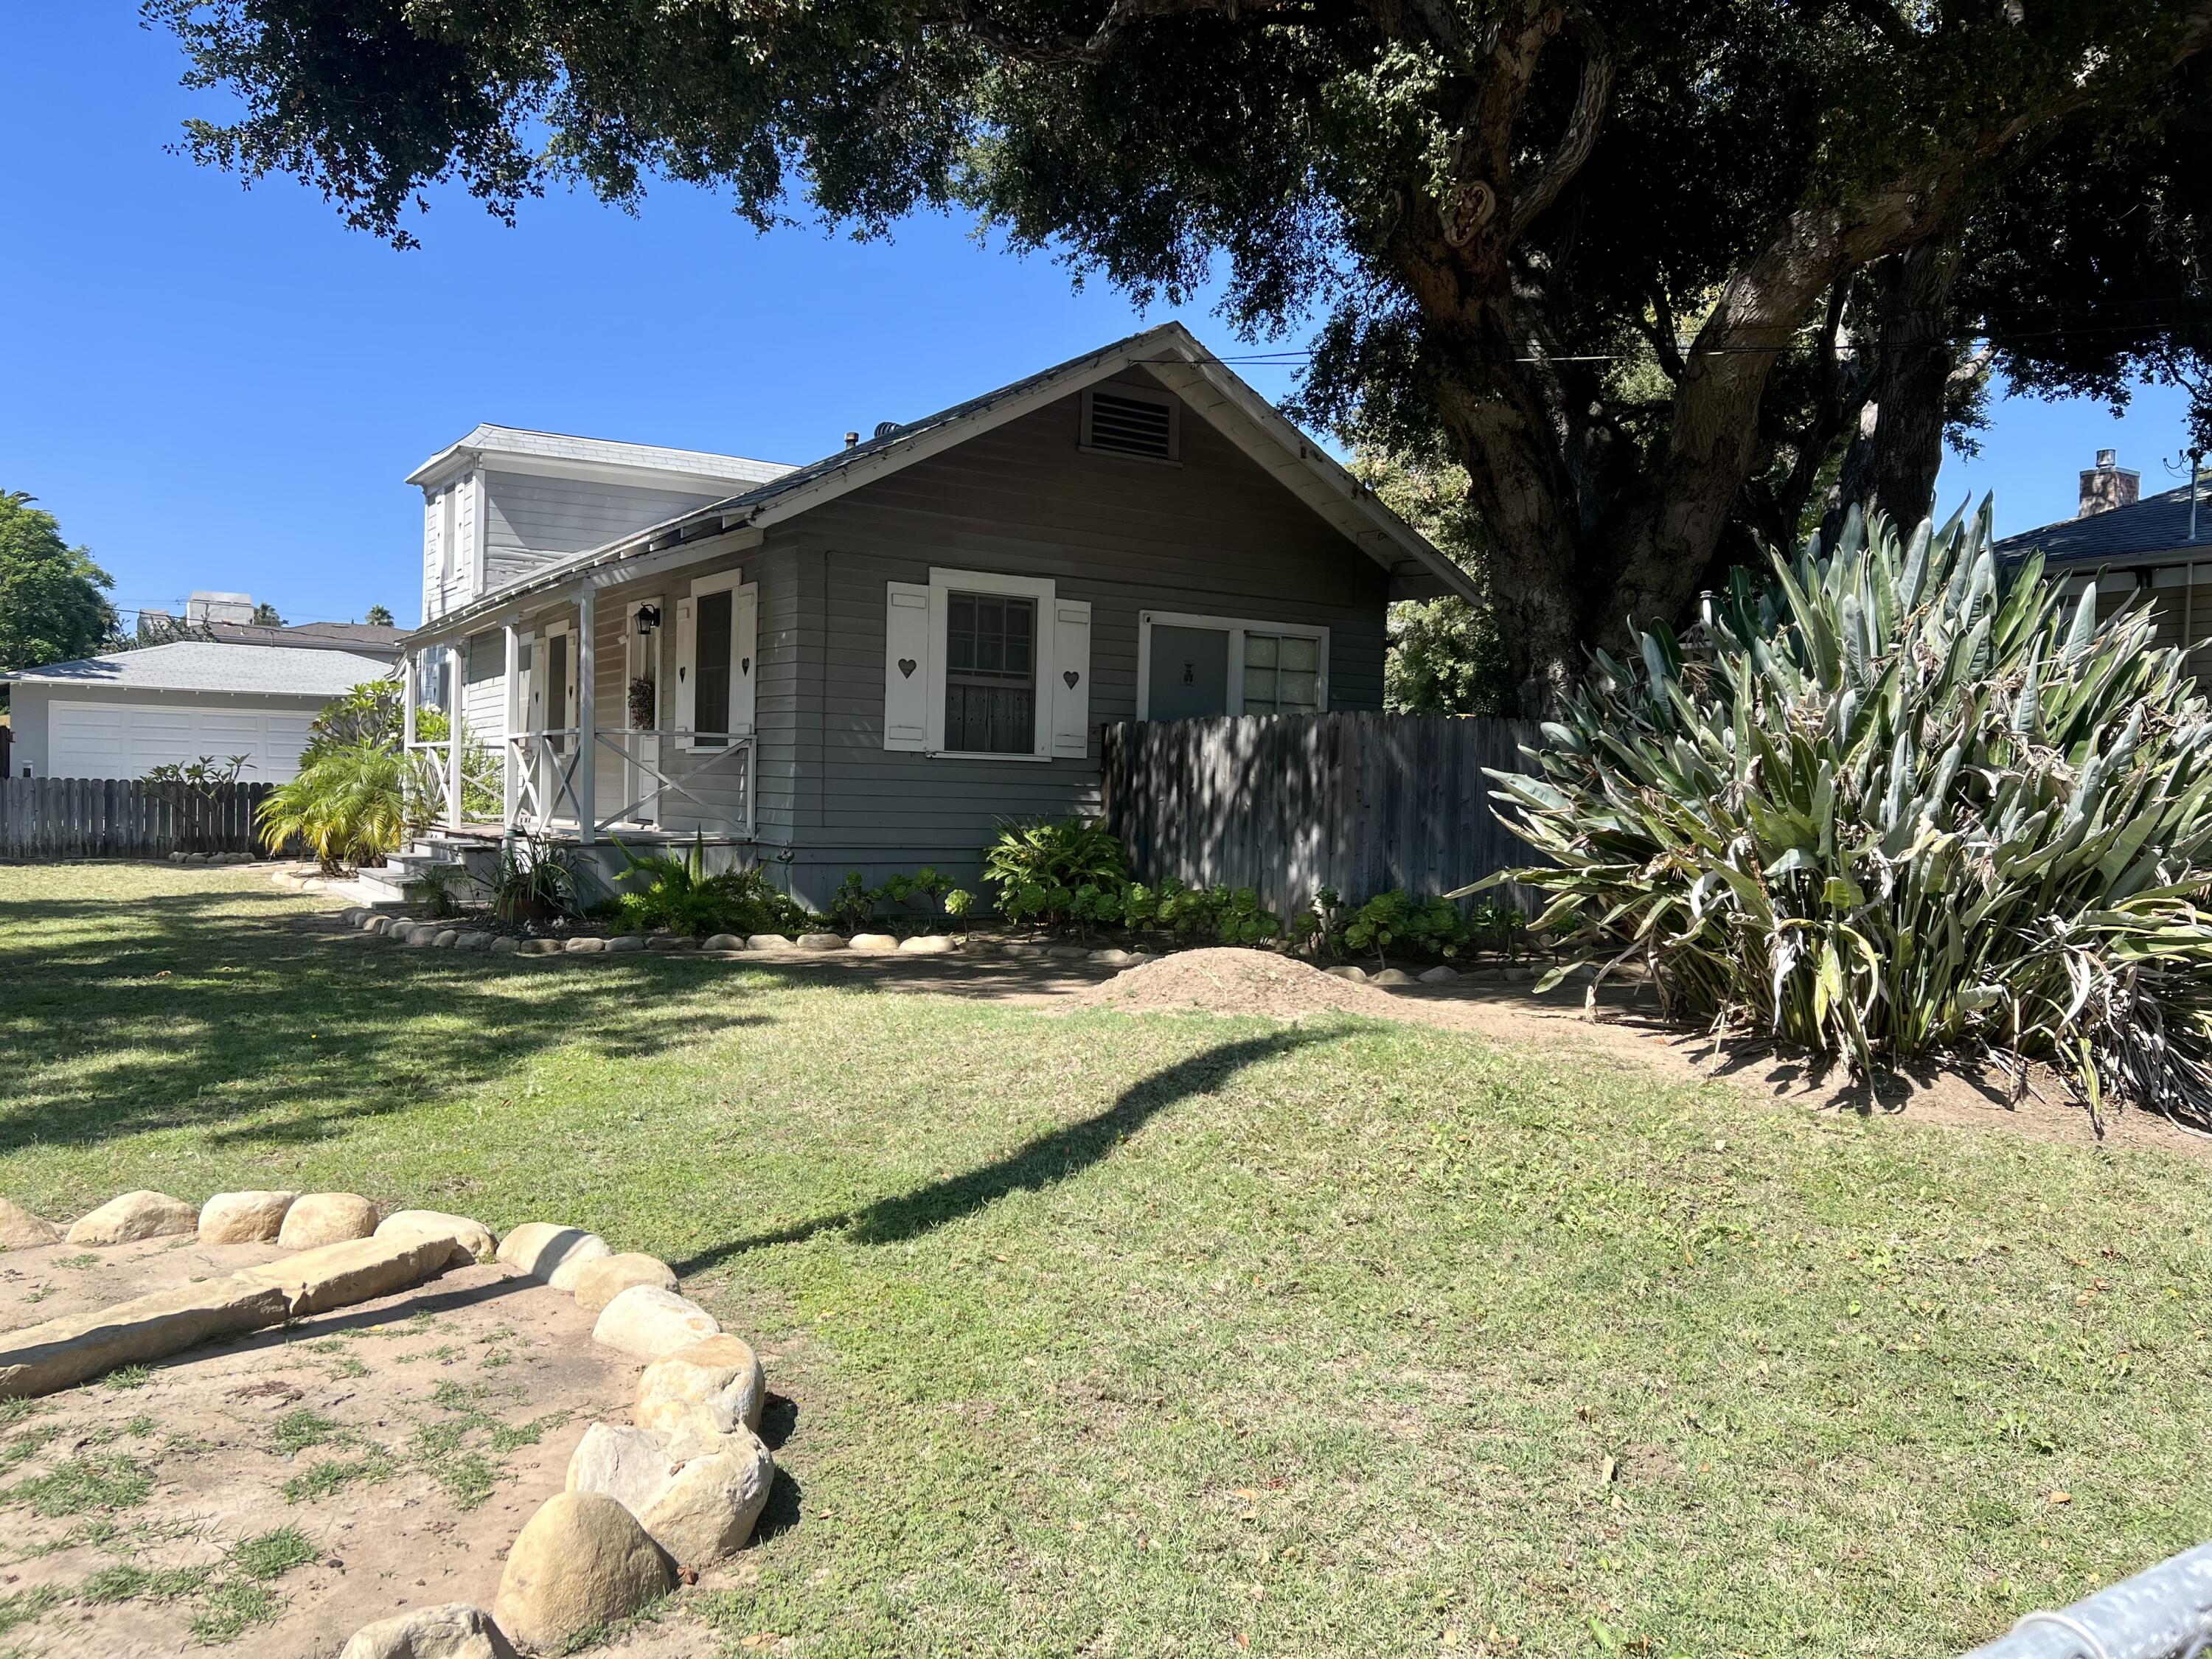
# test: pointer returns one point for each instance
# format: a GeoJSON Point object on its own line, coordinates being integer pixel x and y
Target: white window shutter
{"type": "Point", "coordinates": [906, 666]}
{"type": "Point", "coordinates": [687, 651]}
{"type": "Point", "coordinates": [1071, 679]}
{"type": "Point", "coordinates": [744, 646]}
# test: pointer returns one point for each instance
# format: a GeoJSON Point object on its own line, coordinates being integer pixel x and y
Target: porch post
{"type": "Point", "coordinates": [453, 734]}
{"type": "Point", "coordinates": [587, 662]}
{"type": "Point", "coordinates": [510, 777]}
{"type": "Point", "coordinates": [407, 701]}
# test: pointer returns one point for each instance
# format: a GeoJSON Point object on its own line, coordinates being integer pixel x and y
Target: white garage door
{"type": "Point", "coordinates": [127, 740]}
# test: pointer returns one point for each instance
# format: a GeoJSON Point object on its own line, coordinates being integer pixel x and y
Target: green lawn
{"type": "Point", "coordinates": [1170, 1336]}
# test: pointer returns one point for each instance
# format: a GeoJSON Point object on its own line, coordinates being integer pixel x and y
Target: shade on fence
{"type": "Point", "coordinates": [125, 817]}
{"type": "Point", "coordinates": [1289, 804]}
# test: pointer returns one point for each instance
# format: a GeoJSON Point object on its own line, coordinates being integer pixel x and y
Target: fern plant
{"type": "Point", "coordinates": [349, 805]}
{"type": "Point", "coordinates": [1898, 800]}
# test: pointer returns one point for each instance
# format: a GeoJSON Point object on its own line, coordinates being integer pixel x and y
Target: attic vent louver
{"type": "Point", "coordinates": [1122, 425]}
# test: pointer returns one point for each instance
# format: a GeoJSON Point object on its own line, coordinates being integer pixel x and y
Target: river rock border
{"type": "Point", "coordinates": [649, 1502]}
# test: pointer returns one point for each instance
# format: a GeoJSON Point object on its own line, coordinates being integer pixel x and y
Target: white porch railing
{"type": "Point", "coordinates": [544, 764]}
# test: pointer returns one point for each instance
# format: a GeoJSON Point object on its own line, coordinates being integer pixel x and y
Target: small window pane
{"type": "Point", "coordinates": [1301, 652]}
{"type": "Point", "coordinates": [1282, 674]}
{"type": "Point", "coordinates": [1260, 650]}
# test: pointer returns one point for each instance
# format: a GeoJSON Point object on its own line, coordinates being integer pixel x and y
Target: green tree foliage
{"type": "Point", "coordinates": [1445, 656]}
{"type": "Point", "coordinates": [264, 616]}
{"type": "Point", "coordinates": [1621, 259]}
{"type": "Point", "coordinates": [379, 617]}
{"type": "Point", "coordinates": [1905, 802]}
{"type": "Point", "coordinates": [53, 598]}
{"type": "Point", "coordinates": [349, 805]}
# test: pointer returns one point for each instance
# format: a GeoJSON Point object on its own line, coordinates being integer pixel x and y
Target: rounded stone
{"type": "Point", "coordinates": [648, 1323]}
{"type": "Point", "coordinates": [505, 944]}
{"type": "Point", "coordinates": [247, 1217]}
{"type": "Point", "coordinates": [769, 942]}
{"type": "Point", "coordinates": [586, 945]}
{"type": "Point", "coordinates": [22, 1230]}
{"type": "Point", "coordinates": [712, 1503]}
{"type": "Point", "coordinates": [1439, 974]}
{"type": "Point", "coordinates": [474, 941]}
{"type": "Point", "coordinates": [1391, 976]}
{"type": "Point", "coordinates": [378, 925]}
{"type": "Point", "coordinates": [472, 1240]}
{"type": "Point", "coordinates": [581, 1560]}
{"type": "Point", "coordinates": [456, 1631]}
{"type": "Point", "coordinates": [319, 1218]}
{"type": "Point", "coordinates": [1110, 957]}
{"type": "Point", "coordinates": [720, 1378]}
{"type": "Point", "coordinates": [600, 1282]}
{"type": "Point", "coordinates": [926, 944]}
{"type": "Point", "coordinates": [446, 938]}
{"type": "Point", "coordinates": [821, 941]}
{"type": "Point", "coordinates": [134, 1216]}
{"type": "Point", "coordinates": [1066, 952]}
{"type": "Point", "coordinates": [549, 1251]}
{"type": "Point", "coordinates": [541, 947]}
{"type": "Point", "coordinates": [873, 942]}
{"type": "Point", "coordinates": [627, 943]}
{"type": "Point", "coordinates": [1350, 970]}
{"type": "Point", "coordinates": [723, 942]}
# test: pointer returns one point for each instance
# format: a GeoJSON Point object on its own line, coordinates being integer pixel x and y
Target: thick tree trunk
{"type": "Point", "coordinates": [1891, 463]}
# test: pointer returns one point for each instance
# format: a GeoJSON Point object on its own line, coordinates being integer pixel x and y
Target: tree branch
{"type": "Point", "coordinates": [1583, 125]}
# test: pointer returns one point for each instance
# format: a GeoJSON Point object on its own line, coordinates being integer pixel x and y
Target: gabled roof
{"type": "Point", "coordinates": [489, 443]}
{"type": "Point", "coordinates": [373, 638]}
{"type": "Point", "coordinates": [1170, 353]}
{"type": "Point", "coordinates": [2154, 526]}
{"type": "Point", "coordinates": [209, 666]}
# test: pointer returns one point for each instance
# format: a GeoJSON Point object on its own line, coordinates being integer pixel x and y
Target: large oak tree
{"type": "Point", "coordinates": [1628, 262]}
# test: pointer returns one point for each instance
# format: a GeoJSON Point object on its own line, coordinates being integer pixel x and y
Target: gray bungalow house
{"type": "Point", "coordinates": [873, 661]}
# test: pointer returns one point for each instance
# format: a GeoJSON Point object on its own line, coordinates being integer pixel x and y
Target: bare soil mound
{"type": "Point", "coordinates": [1227, 980]}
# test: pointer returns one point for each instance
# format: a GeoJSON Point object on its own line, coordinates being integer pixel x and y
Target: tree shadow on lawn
{"type": "Point", "coordinates": [1036, 1164]}
{"type": "Point", "coordinates": [181, 1016]}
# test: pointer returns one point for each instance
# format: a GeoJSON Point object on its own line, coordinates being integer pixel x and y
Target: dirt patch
{"type": "Point", "coordinates": [268, 1496]}
{"type": "Point", "coordinates": [1225, 981]}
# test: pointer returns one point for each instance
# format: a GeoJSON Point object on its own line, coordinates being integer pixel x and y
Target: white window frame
{"type": "Point", "coordinates": [449, 530]}
{"type": "Point", "coordinates": [1135, 394]}
{"type": "Point", "coordinates": [733, 583]}
{"type": "Point", "coordinates": [943, 584]}
{"type": "Point", "coordinates": [1235, 628]}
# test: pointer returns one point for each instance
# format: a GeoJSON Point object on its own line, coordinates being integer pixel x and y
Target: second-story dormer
{"type": "Point", "coordinates": [503, 503]}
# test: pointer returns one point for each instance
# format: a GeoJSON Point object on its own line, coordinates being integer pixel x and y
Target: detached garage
{"type": "Point", "coordinates": [121, 715]}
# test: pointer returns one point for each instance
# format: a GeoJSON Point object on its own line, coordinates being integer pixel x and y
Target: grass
{"type": "Point", "coordinates": [126, 1581]}
{"type": "Point", "coordinates": [1158, 1336]}
{"type": "Point", "coordinates": [82, 1484]}
{"type": "Point", "coordinates": [297, 1431]}
{"type": "Point", "coordinates": [334, 1475]}
{"type": "Point", "coordinates": [229, 1610]}
{"type": "Point", "coordinates": [272, 1554]}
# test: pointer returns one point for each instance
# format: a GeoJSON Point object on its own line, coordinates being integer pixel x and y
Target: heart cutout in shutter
{"type": "Point", "coordinates": [1071, 677]}
{"type": "Point", "coordinates": [744, 665]}
{"type": "Point", "coordinates": [907, 667]}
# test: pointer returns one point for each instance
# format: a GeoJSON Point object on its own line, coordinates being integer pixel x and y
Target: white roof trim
{"type": "Point", "coordinates": [490, 444]}
{"type": "Point", "coordinates": [1170, 352]}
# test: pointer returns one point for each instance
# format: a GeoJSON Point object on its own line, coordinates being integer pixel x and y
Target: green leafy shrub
{"type": "Point", "coordinates": [925, 892]}
{"type": "Point", "coordinates": [1233, 915]}
{"type": "Point", "coordinates": [1900, 801]}
{"type": "Point", "coordinates": [535, 881]}
{"type": "Point", "coordinates": [1057, 873]}
{"type": "Point", "coordinates": [678, 895]}
{"type": "Point", "coordinates": [349, 805]}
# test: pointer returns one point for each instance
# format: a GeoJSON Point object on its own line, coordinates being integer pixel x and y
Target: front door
{"type": "Point", "coordinates": [1189, 673]}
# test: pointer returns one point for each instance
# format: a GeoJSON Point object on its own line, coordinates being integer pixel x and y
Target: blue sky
{"type": "Point", "coordinates": [219, 388]}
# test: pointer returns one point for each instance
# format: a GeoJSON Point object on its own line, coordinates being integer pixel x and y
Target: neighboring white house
{"type": "Point", "coordinates": [120, 716]}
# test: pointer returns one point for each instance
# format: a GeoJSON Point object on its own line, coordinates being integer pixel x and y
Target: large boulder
{"type": "Point", "coordinates": [41, 1359]}
{"type": "Point", "coordinates": [581, 1560]}
{"type": "Point", "coordinates": [243, 1217]}
{"type": "Point", "coordinates": [547, 1250]}
{"type": "Point", "coordinates": [472, 1240]}
{"type": "Point", "coordinates": [319, 1218]}
{"type": "Point", "coordinates": [22, 1230]}
{"type": "Point", "coordinates": [698, 1494]}
{"type": "Point", "coordinates": [720, 1378]}
{"type": "Point", "coordinates": [134, 1216]}
{"type": "Point", "coordinates": [926, 944]}
{"type": "Point", "coordinates": [456, 1631]}
{"type": "Point", "coordinates": [339, 1275]}
{"type": "Point", "coordinates": [648, 1323]}
{"type": "Point", "coordinates": [600, 1282]}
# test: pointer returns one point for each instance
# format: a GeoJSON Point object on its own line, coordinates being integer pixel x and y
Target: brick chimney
{"type": "Point", "coordinates": [2108, 485]}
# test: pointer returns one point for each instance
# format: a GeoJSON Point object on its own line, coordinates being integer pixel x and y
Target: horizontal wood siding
{"type": "Point", "coordinates": [1364, 803]}
{"type": "Point", "coordinates": [1214, 535]}
{"type": "Point", "coordinates": [125, 817]}
{"type": "Point", "coordinates": [532, 519]}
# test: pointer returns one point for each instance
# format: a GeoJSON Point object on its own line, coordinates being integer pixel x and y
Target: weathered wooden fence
{"type": "Point", "coordinates": [1289, 804]}
{"type": "Point", "coordinates": [125, 817]}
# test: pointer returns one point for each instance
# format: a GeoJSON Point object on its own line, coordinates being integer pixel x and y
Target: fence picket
{"type": "Point", "coordinates": [1288, 804]}
{"type": "Point", "coordinates": [124, 818]}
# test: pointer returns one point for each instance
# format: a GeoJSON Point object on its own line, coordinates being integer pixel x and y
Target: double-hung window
{"type": "Point", "coordinates": [990, 673]}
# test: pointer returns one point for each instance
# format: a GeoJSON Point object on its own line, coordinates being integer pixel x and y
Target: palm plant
{"type": "Point", "coordinates": [349, 805]}
{"type": "Point", "coordinates": [1899, 800]}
